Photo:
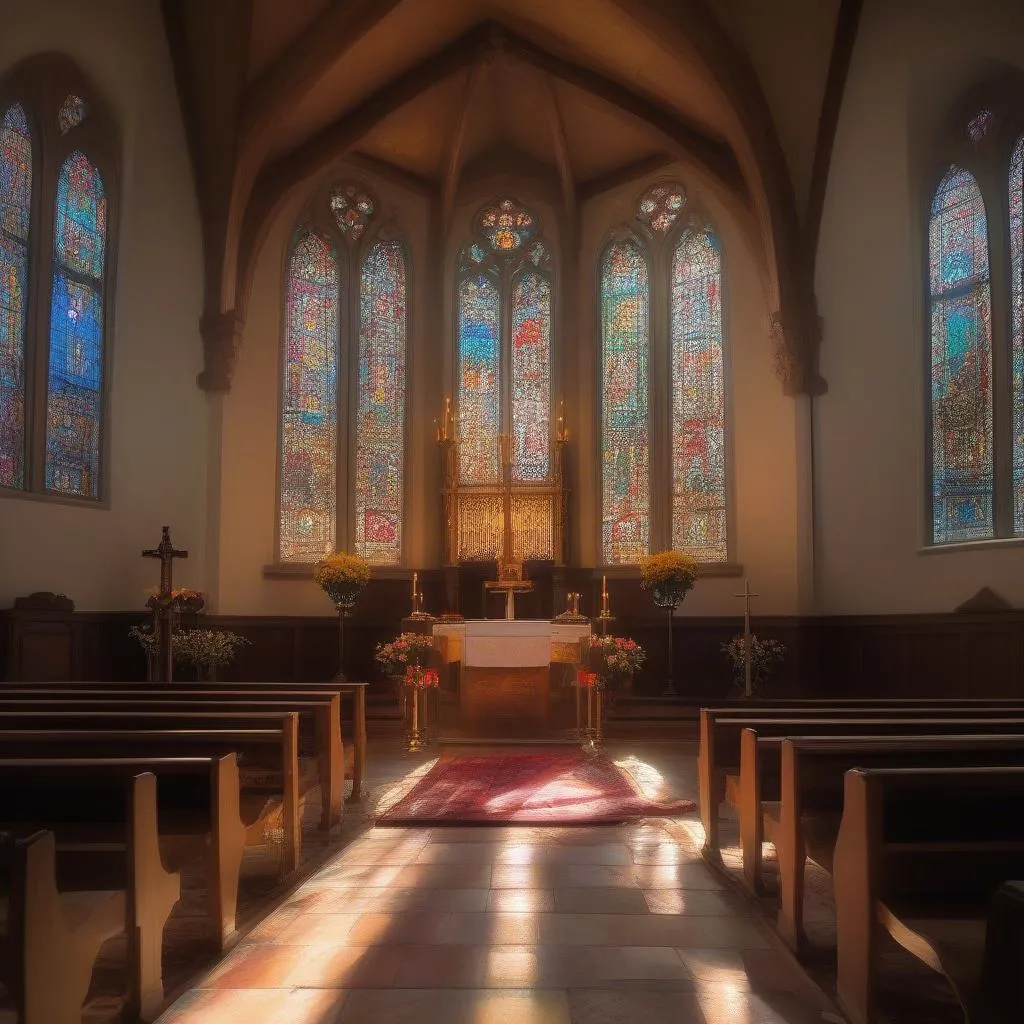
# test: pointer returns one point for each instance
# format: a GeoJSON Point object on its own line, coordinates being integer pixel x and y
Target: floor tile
{"type": "Point", "coordinates": [594, 900]}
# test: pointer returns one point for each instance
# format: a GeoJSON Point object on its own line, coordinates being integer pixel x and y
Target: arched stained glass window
{"type": "Point", "coordinates": [531, 376]}
{"type": "Point", "coordinates": [625, 435]}
{"type": "Point", "coordinates": [15, 211]}
{"type": "Point", "coordinates": [698, 398]}
{"type": "Point", "coordinates": [74, 400]}
{"type": "Point", "coordinates": [309, 421]}
{"type": "Point", "coordinates": [1017, 327]}
{"type": "Point", "coordinates": [71, 113]}
{"type": "Point", "coordinates": [961, 362]}
{"type": "Point", "coordinates": [380, 409]}
{"type": "Point", "coordinates": [479, 379]}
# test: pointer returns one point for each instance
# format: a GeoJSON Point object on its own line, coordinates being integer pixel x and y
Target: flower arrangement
{"type": "Point", "coordinates": [404, 651]}
{"type": "Point", "coordinates": [342, 576]}
{"type": "Point", "coordinates": [427, 678]}
{"type": "Point", "coordinates": [203, 647]}
{"type": "Point", "coordinates": [669, 570]}
{"type": "Point", "coordinates": [622, 656]}
{"type": "Point", "coordinates": [588, 680]}
{"type": "Point", "coordinates": [183, 599]}
{"type": "Point", "coordinates": [763, 655]}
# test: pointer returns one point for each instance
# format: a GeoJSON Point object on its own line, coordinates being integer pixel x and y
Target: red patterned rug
{"type": "Point", "coordinates": [553, 787]}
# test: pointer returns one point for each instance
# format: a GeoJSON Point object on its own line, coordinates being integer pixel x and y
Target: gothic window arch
{"type": "Point", "coordinates": [58, 175]}
{"type": "Point", "coordinates": [344, 383]}
{"type": "Point", "coordinates": [664, 479]}
{"type": "Point", "coordinates": [504, 328]}
{"type": "Point", "coordinates": [975, 344]}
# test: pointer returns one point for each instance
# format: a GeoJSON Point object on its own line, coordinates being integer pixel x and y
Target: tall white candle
{"type": "Point", "coordinates": [414, 588]}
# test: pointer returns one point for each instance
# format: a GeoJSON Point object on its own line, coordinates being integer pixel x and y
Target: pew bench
{"type": "Point", "coordinates": [319, 721]}
{"type": "Point", "coordinates": [271, 782]}
{"type": "Point", "coordinates": [721, 728]}
{"type": "Point", "coordinates": [792, 795]}
{"type": "Point", "coordinates": [919, 855]}
{"type": "Point", "coordinates": [78, 882]}
{"type": "Point", "coordinates": [350, 691]}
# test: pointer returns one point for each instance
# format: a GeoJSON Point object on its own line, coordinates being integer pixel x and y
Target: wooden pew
{"type": "Point", "coordinates": [119, 852]}
{"type": "Point", "coordinates": [44, 937]}
{"type": "Point", "coordinates": [800, 781]}
{"type": "Point", "coordinates": [267, 741]}
{"type": "Point", "coordinates": [720, 730]}
{"type": "Point", "coordinates": [350, 690]}
{"type": "Point", "coordinates": [319, 716]}
{"type": "Point", "coordinates": [919, 854]}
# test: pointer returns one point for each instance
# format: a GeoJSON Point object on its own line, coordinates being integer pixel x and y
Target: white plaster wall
{"type": "Point", "coordinates": [250, 426]}
{"type": "Point", "coordinates": [911, 60]}
{"type": "Point", "coordinates": [763, 422]}
{"type": "Point", "coordinates": [157, 414]}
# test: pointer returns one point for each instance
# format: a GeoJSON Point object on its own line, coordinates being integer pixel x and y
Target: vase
{"type": "Point", "coordinates": [206, 673]}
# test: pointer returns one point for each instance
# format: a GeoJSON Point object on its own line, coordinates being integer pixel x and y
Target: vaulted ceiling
{"type": "Point", "coordinates": [583, 92]}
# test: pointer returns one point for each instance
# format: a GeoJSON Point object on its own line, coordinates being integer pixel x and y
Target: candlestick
{"type": "Point", "coordinates": [414, 591]}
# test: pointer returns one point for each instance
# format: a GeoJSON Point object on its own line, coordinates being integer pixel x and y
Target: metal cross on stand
{"type": "Point", "coordinates": [166, 552]}
{"type": "Point", "coordinates": [746, 595]}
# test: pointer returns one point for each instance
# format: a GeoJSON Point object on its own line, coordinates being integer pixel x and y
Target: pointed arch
{"type": "Point", "coordinates": [961, 361]}
{"type": "Point", "coordinates": [698, 397]}
{"type": "Point", "coordinates": [74, 397]}
{"type": "Point", "coordinates": [307, 513]}
{"type": "Point", "coordinates": [16, 182]}
{"type": "Point", "coordinates": [380, 402]}
{"type": "Point", "coordinates": [531, 375]}
{"type": "Point", "coordinates": [625, 403]}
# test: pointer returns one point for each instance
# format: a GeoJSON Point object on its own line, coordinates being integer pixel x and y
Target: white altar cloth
{"type": "Point", "coordinates": [507, 643]}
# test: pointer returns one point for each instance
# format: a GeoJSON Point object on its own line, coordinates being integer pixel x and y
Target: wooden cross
{"type": "Point", "coordinates": [166, 552]}
{"type": "Point", "coordinates": [746, 595]}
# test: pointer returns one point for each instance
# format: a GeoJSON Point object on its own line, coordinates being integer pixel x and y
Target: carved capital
{"type": "Point", "coordinates": [222, 339]}
{"type": "Point", "coordinates": [797, 346]}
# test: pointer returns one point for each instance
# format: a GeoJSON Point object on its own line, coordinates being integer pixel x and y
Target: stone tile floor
{"type": "Point", "coordinates": [590, 925]}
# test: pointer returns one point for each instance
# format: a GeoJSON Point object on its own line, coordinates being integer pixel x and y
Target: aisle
{"type": "Point", "coordinates": [597, 925]}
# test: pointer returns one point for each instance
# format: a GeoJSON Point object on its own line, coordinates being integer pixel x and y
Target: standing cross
{"type": "Point", "coordinates": [746, 595]}
{"type": "Point", "coordinates": [166, 552]}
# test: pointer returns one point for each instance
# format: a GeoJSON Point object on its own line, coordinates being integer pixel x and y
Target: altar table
{"type": "Point", "coordinates": [505, 676]}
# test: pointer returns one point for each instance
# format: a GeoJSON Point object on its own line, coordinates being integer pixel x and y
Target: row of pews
{"type": "Point", "coordinates": [109, 791]}
{"type": "Point", "coordinates": [914, 808]}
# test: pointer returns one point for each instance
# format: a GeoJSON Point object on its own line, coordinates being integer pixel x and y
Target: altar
{"type": "Point", "coordinates": [509, 682]}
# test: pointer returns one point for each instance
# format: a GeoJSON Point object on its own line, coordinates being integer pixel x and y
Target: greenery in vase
{"type": "Point", "coordinates": [203, 647]}
{"type": "Point", "coordinates": [342, 576]}
{"type": "Point", "coordinates": [405, 650]}
{"type": "Point", "coordinates": [669, 574]}
{"type": "Point", "coordinates": [763, 655]}
{"type": "Point", "coordinates": [622, 657]}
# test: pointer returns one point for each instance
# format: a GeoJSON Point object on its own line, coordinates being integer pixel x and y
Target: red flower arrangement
{"type": "Point", "coordinates": [587, 679]}
{"type": "Point", "coordinates": [424, 677]}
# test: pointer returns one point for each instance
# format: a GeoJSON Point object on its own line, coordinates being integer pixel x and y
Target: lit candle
{"type": "Point", "coordinates": [414, 590]}
{"type": "Point", "coordinates": [604, 586]}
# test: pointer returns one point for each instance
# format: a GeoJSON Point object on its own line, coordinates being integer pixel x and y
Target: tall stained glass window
{"type": "Point", "coordinates": [625, 433]}
{"type": "Point", "coordinates": [309, 421]}
{"type": "Point", "coordinates": [380, 405]}
{"type": "Point", "coordinates": [961, 362]}
{"type": "Point", "coordinates": [479, 379]}
{"type": "Point", "coordinates": [504, 326]}
{"type": "Point", "coordinates": [15, 209]}
{"type": "Point", "coordinates": [698, 398]}
{"type": "Point", "coordinates": [1017, 327]}
{"type": "Point", "coordinates": [74, 399]}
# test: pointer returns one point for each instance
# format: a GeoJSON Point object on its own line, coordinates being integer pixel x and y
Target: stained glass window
{"type": "Point", "coordinates": [507, 226]}
{"type": "Point", "coordinates": [625, 453]}
{"type": "Point", "coordinates": [309, 422]}
{"type": "Point", "coordinates": [72, 113]}
{"type": "Point", "coordinates": [1017, 327]}
{"type": "Point", "coordinates": [380, 408]}
{"type": "Point", "coordinates": [660, 206]}
{"type": "Point", "coordinates": [531, 376]}
{"type": "Point", "coordinates": [698, 398]}
{"type": "Point", "coordinates": [479, 379]}
{"type": "Point", "coordinates": [961, 362]}
{"type": "Point", "coordinates": [353, 208]}
{"type": "Point", "coordinates": [978, 126]}
{"type": "Point", "coordinates": [15, 209]}
{"type": "Point", "coordinates": [74, 400]}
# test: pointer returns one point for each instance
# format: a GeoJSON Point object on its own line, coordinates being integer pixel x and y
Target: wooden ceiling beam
{"type": "Point", "coordinates": [457, 143]}
{"type": "Point", "coordinates": [622, 175]}
{"type": "Point", "coordinates": [320, 46]}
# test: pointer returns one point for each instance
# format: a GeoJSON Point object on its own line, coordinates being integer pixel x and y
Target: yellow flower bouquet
{"type": "Point", "coordinates": [670, 575]}
{"type": "Point", "coordinates": [342, 577]}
